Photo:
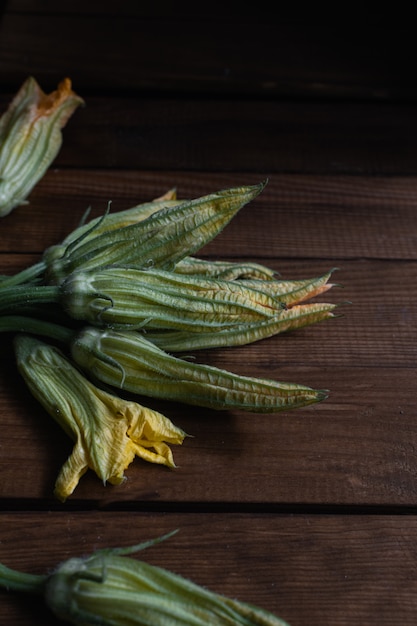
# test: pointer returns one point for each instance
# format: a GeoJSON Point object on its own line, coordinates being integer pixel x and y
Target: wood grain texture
{"type": "Point", "coordinates": [309, 513]}
{"type": "Point", "coordinates": [296, 216]}
{"type": "Point", "coordinates": [233, 51]}
{"type": "Point", "coordinates": [231, 134]}
{"type": "Point", "coordinates": [334, 570]}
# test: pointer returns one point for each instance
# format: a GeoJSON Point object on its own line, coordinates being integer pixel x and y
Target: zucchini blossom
{"type": "Point", "coordinates": [132, 298]}
{"type": "Point", "coordinates": [109, 588]}
{"type": "Point", "coordinates": [126, 360]}
{"type": "Point", "coordinates": [160, 240]}
{"type": "Point", "coordinates": [210, 311]}
{"type": "Point", "coordinates": [125, 291]}
{"type": "Point", "coordinates": [108, 431]}
{"type": "Point", "coordinates": [30, 138]}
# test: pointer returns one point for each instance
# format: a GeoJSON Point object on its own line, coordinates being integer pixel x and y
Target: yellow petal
{"type": "Point", "coordinates": [71, 472]}
{"type": "Point", "coordinates": [108, 431]}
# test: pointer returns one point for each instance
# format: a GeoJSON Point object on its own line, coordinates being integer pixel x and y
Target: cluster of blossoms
{"type": "Point", "coordinates": [101, 316]}
{"type": "Point", "coordinates": [123, 294]}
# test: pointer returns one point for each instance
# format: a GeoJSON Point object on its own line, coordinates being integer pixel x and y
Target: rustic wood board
{"type": "Point", "coordinates": [331, 569]}
{"type": "Point", "coordinates": [310, 513]}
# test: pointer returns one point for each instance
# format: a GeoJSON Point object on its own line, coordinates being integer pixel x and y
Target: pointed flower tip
{"type": "Point", "coordinates": [337, 306]}
{"type": "Point", "coordinates": [62, 98]}
{"type": "Point", "coordinates": [171, 194]}
{"type": "Point", "coordinates": [329, 274]}
{"type": "Point", "coordinates": [260, 186]}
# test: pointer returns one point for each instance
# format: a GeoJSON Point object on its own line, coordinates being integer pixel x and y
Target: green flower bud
{"type": "Point", "coordinates": [30, 138]}
{"type": "Point", "coordinates": [160, 241]}
{"type": "Point", "coordinates": [126, 360]}
{"type": "Point", "coordinates": [132, 298]}
{"type": "Point", "coordinates": [111, 589]}
{"type": "Point", "coordinates": [109, 222]}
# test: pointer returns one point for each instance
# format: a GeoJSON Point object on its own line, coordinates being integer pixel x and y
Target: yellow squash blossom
{"type": "Point", "coordinates": [30, 138]}
{"type": "Point", "coordinates": [108, 431]}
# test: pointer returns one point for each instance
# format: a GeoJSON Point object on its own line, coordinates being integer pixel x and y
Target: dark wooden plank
{"type": "Point", "coordinates": [147, 9]}
{"type": "Point", "coordinates": [267, 56]}
{"type": "Point", "coordinates": [334, 570]}
{"type": "Point", "coordinates": [356, 448]}
{"type": "Point", "coordinates": [330, 218]}
{"type": "Point", "coordinates": [234, 134]}
{"type": "Point", "coordinates": [203, 100]}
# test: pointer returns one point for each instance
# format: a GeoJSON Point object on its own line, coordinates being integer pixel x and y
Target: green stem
{"type": "Point", "coordinates": [19, 581]}
{"type": "Point", "coordinates": [28, 275]}
{"type": "Point", "coordinates": [20, 323]}
{"type": "Point", "coordinates": [27, 295]}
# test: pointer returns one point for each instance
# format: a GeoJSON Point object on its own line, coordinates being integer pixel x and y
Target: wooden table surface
{"type": "Point", "coordinates": [308, 513]}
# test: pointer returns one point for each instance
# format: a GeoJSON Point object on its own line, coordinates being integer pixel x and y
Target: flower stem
{"type": "Point", "coordinates": [28, 275]}
{"type": "Point", "coordinates": [20, 581]}
{"type": "Point", "coordinates": [20, 323]}
{"type": "Point", "coordinates": [26, 295]}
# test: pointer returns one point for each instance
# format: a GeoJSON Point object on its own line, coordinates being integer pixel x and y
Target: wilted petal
{"type": "Point", "coordinates": [108, 431]}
